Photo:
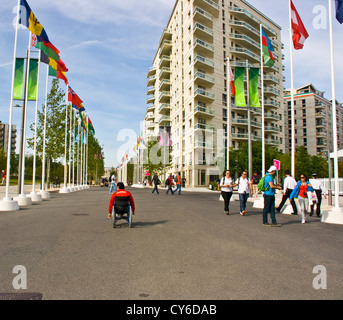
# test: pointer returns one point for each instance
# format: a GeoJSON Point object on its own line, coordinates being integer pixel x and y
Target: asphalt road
{"type": "Point", "coordinates": [180, 247]}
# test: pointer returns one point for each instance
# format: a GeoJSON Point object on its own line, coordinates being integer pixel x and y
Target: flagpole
{"type": "Point", "coordinates": [22, 198]}
{"type": "Point", "coordinates": [36, 197]}
{"type": "Point", "coordinates": [262, 101]}
{"type": "Point", "coordinates": [45, 194]}
{"type": "Point", "coordinates": [78, 153]}
{"type": "Point", "coordinates": [336, 208]}
{"type": "Point", "coordinates": [65, 189]}
{"type": "Point", "coordinates": [228, 104]}
{"type": "Point", "coordinates": [249, 123]}
{"type": "Point", "coordinates": [69, 167]}
{"type": "Point", "coordinates": [73, 177]}
{"type": "Point", "coordinates": [292, 94]}
{"type": "Point", "coordinates": [7, 204]}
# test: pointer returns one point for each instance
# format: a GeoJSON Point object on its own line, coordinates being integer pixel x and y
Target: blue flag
{"type": "Point", "coordinates": [339, 10]}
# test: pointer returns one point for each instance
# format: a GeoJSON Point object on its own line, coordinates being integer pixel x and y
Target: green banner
{"type": "Point", "coordinates": [239, 84]}
{"type": "Point", "coordinates": [33, 80]}
{"type": "Point", "coordinates": [253, 87]}
{"type": "Point", "coordinates": [18, 79]}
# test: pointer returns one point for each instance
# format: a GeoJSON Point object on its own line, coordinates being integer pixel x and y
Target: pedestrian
{"type": "Point", "coordinates": [156, 182]}
{"type": "Point", "coordinates": [169, 183]}
{"type": "Point", "coordinates": [269, 197]}
{"type": "Point", "coordinates": [319, 190]}
{"type": "Point", "coordinates": [288, 186]}
{"type": "Point", "coordinates": [255, 179]}
{"type": "Point", "coordinates": [243, 184]}
{"type": "Point", "coordinates": [300, 191]}
{"type": "Point", "coordinates": [183, 182]}
{"type": "Point", "coordinates": [3, 175]}
{"type": "Point", "coordinates": [178, 183]}
{"type": "Point", "coordinates": [113, 186]}
{"type": "Point", "coordinates": [226, 184]}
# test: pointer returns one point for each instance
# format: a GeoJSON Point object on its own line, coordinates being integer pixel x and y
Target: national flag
{"type": "Point", "coordinates": [28, 19]}
{"type": "Point", "coordinates": [267, 50]}
{"type": "Point", "coordinates": [90, 126]}
{"type": "Point", "coordinates": [46, 47]}
{"type": "Point", "coordinates": [74, 98]}
{"type": "Point", "coordinates": [232, 78]}
{"type": "Point", "coordinates": [339, 10]}
{"type": "Point", "coordinates": [299, 31]}
{"type": "Point", "coordinates": [58, 74]}
{"type": "Point", "coordinates": [57, 65]}
{"type": "Point", "coordinates": [79, 109]}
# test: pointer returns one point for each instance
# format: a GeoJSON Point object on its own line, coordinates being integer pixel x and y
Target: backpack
{"type": "Point", "coordinates": [167, 182]}
{"type": "Point", "coordinates": [256, 179]}
{"type": "Point", "coordinates": [261, 186]}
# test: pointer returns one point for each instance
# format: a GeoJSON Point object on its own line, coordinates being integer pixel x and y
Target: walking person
{"type": "Point", "coordinates": [113, 186]}
{"type": "Point", "coordinates": [319, 190]}
{"type": "Point", "coordinates": [300, 191]}
{"type": "Point", "coordinates": [156, 182]}
{"type": "Point", "coordinates": [178, 184]}
{"type": "Point", "coordinates": [169, 183]}
{"type": "Point", "coordinates": [243, 184]}
{"type": "Point", "coordinates": [226, 184]}
{"type": "Point", "coordinates": [255, 179]}
{"type": "Point", "coordinates": [288, 186]}
{"type": "Point", "coordinates": [3, 176]}
{"type": "Point", "coordinates": [269, 198]}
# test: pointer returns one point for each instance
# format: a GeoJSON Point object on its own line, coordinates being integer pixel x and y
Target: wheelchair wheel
{"type": "Point", "coordinates": [129, 215]}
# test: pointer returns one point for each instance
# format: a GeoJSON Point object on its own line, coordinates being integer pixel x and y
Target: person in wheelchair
{"type": "Point", "coordinates": [120, 200]}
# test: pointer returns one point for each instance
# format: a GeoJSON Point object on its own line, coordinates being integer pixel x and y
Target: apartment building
{"type": "Point", "coordinates": [188, 86]}
{"type": "Point", "coordinates": [313, 120]}
{"type": "Point", "coordinates": [4, 137]}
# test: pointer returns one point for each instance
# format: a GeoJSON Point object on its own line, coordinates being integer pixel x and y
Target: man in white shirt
{"type": "Point", "coordinates": [243, 184]}
{"type": "Point", "coordinates": [318, 189]}
{"type": "Point", "coordinates": [288, 186]}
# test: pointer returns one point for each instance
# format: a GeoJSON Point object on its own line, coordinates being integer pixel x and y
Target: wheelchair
{"type": "Point", "coordinates": [122, 211]}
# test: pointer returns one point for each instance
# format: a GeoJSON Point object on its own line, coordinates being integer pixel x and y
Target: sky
{"type": "Point", "coordinates": [109, 45]}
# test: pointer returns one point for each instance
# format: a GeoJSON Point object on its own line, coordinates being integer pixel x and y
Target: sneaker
{"type": "Point", "coordinates": [276, 225]}
{"type": "Point", "coordinates": [266, 224]}
{"type": "Point", "coordinates": [303, 221]}
{"type": "Point", "coordinates": [226, 212]}
{"type": "Point", "coordinates": [243, 213]}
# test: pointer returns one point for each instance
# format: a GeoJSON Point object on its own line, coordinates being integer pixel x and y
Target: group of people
{"type": "Point", "coordinates": [169, 183]}
{"type": "Point", "coordinates": [308, 192]}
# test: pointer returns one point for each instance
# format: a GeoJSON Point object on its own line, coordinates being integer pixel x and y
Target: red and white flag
{"type": "Point", "coordinates": [299, 31]}
{"type": "Point", "coordinates": [232, 78]}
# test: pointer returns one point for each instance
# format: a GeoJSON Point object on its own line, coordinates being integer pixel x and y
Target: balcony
{"type": "Point", "coordinates": [150, 116]}
{"type": "Point", "coordinates": [164, 120]}
{"type": "Point", "coordinates": [151, 81]}
{"type": "Point", "coordinates": [203, 145]}
{"type": "Point", "coordinates": [271, 78]}
{"type": "Point", "coordinates": [244, 53]}
{"type": "Point", "coordinates": [151, 72]}
{"type": "Point", "coordinates": [204, 64]}
{"type": "Point", "coordinates": [245, 27]}
{"type": "Point", "coordinates": [151, 90]}
{"type": "Point", "coordinates": [164, 96]}
{"type": "Point", "coordinates": [203, 17]}
{"type": "Point", "coordinates": [164, 85]}
{"type": "Point", "coordinates": [166, 35]}
{"type": "Point", "coordinates": [272, 116]}
{"type": "Point", "coordinates": [203, 111]}
{"type": "Point", "coordinates": [244, 122]}
{"type": "Point", "coordinates": [204, 95]}
{"type": "Point", "coordinates": [246, 42]}
{"type": "Point", "coordinates": [271, 90]}
{"type": "Point", "coordinates": [165, 61]}
{"type": "Point", "coordinates": [203, 48]}
{"type": "Point", "coordinates": [271, 103]}
{"type": "Point", "coordinates": [164, 73]}
{"type": "Point", "coordinates": [150, 107]}
{"type": "Point", "coordinates": [202, 79]}
{"type": "Point", "coordinates": [272, 129]}
{"type": "Point", "coordinates": [203, 32]}
{"type": "Point", "coordinates": [150, 99]}
{"type": "Point", "coordinates": [209, 5]}
{"type": "Point", "coordinates": [272, 141]}
{"type": "Point", "coordinates": [320, 114]}
{"type": "Point", "coordinates": [320, 123]}
{"type": "Point", "coordinates": [165, 49]}
{"type": "Point", "coordinates": [203, 126]}
{"type": "Point", "coordinates": [150, 126]}
{"type": "Point", "coordinates": [164, 108]}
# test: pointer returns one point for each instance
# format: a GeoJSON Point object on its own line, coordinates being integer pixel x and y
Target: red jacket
{"type": "Point", "coordinates": [121, 193]}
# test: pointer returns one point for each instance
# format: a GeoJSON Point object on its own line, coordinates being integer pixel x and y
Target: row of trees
{"type": "Point", "coordinates": [55, 142]}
